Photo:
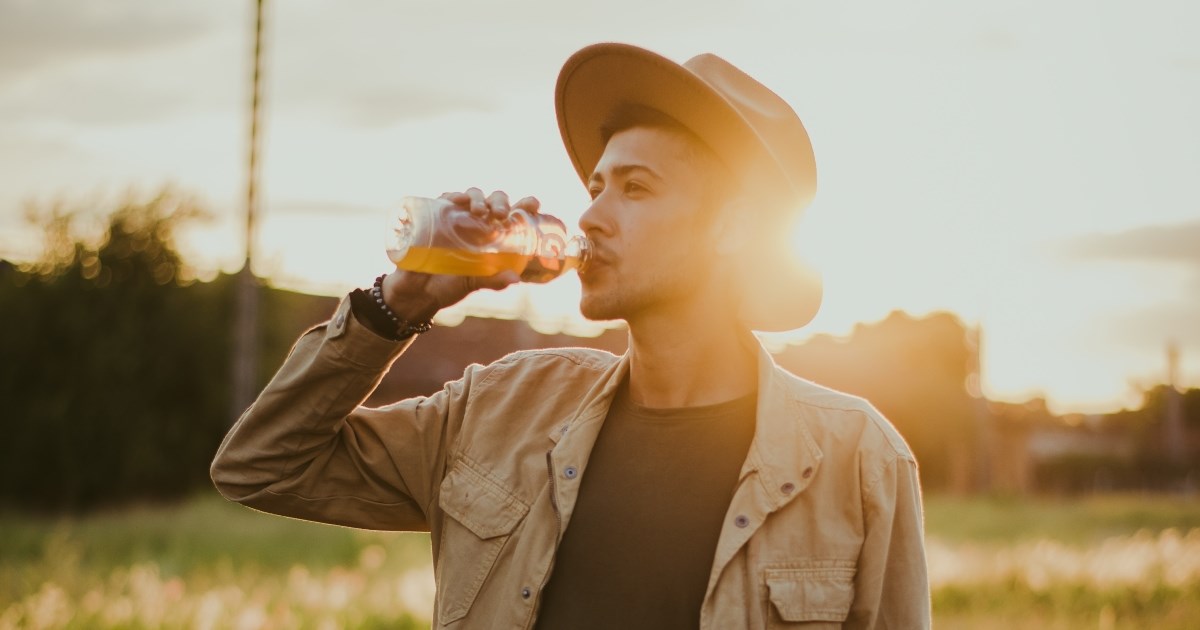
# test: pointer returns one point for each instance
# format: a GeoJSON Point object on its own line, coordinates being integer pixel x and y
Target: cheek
{"type": "Point", "coordinates": [671, 228]}
{"type": "Point", "coordinates": [674, 250]}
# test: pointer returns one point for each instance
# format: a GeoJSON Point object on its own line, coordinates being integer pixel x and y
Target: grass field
{"type": "Point", "coordinates": [1107, 563]}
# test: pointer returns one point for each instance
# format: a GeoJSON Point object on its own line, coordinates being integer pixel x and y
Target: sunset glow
{"type": "Point", "coordinates": [1036, 177]}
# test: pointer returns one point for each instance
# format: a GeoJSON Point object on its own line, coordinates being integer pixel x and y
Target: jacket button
{"type": "Point", "coordinates": [525, 593]}
{"type": "Point", "coordinates": [807, 472]}
{"type": "Point", "coordinates": [741, 520]}
{"type": "Point", "coordinates": [340, 321]}
{"type": "Point", "coordinates": [570, 472]}
{"type": "Point", "coordinates": [787, 488]}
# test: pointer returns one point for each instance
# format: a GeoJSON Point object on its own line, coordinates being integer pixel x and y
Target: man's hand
{"type": "Point", "coordinates": [416, 297]}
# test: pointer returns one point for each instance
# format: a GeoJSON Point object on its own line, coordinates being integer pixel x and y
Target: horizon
{"type": "Point", "coordinates": [775, 343]}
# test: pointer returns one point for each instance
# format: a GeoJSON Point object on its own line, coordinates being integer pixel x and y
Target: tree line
{"type": "Point", "coordinates": [114, 383]}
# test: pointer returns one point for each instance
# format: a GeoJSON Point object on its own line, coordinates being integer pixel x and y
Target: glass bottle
{"type": "Point", "coordinates": [437, 236]}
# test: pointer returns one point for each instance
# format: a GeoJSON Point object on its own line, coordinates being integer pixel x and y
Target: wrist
{"type": "Point", "coordinates": [404, 324]}
{"type": "Point", "coordinates": [413, 307]}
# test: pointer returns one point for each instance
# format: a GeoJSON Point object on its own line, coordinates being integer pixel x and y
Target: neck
{"type": "Point", "coordinates": [690, 358]}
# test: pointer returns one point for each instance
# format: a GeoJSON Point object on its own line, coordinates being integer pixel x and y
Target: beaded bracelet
{"type": "Point", "coordinates": [404, 328]}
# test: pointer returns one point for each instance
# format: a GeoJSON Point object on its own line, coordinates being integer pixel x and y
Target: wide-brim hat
{"type": "Point", "coordinates": [754, 131]}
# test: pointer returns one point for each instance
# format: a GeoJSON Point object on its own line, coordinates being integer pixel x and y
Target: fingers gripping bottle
{"type": "Point", "coordinates": [436, 236]}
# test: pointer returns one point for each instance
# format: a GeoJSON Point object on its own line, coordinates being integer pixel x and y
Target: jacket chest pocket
{"type": "Point", "coordinates": [480, 518]}
{"type": "Point", "coordinates": [816, 596]}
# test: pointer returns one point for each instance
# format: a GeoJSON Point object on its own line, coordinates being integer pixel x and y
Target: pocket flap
{"type": "Point", "coordinates": [811, 594]}
{"type": "Point", "coordinates": [480, 504]}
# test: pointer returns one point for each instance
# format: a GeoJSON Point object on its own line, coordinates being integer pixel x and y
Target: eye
{"type": "Point", "coordinates": [632, 187]}
{"type": "Point", "coordinates": [594, 191]}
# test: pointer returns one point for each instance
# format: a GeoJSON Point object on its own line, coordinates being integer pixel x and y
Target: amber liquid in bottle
{"type": "Point", "coordinates": [458, 262]}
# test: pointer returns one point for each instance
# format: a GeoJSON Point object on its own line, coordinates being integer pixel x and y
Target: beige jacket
{"type": "Point", "coordinates": [824, 529]}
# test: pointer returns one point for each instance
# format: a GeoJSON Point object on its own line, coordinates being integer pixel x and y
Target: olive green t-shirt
{"type": "Point", "coordinates": [640, 544]}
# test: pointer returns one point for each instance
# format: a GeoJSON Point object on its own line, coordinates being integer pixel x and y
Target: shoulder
{"type": "Point", "coordinates": [834, 414]}
{"type": "Point", "coordinates": [559, 362]}
{"type": "Point", "coordinates": [582, 358]}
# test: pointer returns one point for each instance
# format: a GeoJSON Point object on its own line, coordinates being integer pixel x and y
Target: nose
{"type": "Point", "coordinates": [596, 219]}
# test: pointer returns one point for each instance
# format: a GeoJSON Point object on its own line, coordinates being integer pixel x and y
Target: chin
{"type": "Point", "coordinates": [596, 308]}
{"type": "Point", "coordinates": [588, 309]}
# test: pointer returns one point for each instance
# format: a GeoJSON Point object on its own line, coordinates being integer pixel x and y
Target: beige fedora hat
{"type": "Point", "coordinates": [750, 127]}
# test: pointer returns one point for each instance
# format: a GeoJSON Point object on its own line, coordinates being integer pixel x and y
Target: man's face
{"type": "Point", "coordinates": [649, 221]}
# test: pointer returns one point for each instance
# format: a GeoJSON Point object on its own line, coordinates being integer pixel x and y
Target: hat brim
{"type": "Point", "coordinates": [598, 79]}
{"type": "Point", "coordinates": [601, 78]}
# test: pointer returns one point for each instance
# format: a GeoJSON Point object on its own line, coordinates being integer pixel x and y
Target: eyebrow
{"type": "Point", "coordinates": [621, 170]}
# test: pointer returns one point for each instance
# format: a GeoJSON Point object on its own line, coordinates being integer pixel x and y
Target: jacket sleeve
{"type": "Point", "coordinates": [307, 448]}
{"type": "Point", "coordinates": [892, 582]}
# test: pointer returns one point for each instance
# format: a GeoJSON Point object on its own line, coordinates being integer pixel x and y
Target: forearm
{"type": "Point", "coordinates": [303, 420]}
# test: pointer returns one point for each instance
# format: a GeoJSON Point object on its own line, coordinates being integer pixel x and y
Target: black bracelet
{"type": "Point", "coordinates": [404, 328]}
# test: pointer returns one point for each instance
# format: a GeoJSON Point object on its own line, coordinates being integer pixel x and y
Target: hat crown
{"type": "Point", "coordinates": [739, 88]}
{"type": "Point", "coordinates": [776, 125]}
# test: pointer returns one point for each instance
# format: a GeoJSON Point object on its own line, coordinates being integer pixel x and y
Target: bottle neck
{"type": "Point", "coordinates": [580, 248]}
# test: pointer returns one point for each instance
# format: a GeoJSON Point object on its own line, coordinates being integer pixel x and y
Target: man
{"type": "Point", "coordinates": [689, 483]}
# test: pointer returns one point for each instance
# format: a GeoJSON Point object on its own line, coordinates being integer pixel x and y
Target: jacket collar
{"type": "Point", "coordinates": [594, 404]}
{"type": "Point", "coordinates": [783, 452]}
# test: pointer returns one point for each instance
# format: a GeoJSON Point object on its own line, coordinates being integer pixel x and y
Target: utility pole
{"type": "Point", "coordinates": [1173, 433]}
{"type": "Point", "coordinates": [245, 353]}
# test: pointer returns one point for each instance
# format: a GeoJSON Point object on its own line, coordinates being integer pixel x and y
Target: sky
{"type": "Point", "coordinates": [1031, 166]}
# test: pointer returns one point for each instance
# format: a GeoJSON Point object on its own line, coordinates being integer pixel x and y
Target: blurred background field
{"type": "Point", "coordinates": [1118, 561]}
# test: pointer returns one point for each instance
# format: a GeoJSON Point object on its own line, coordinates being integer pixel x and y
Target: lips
{"type": "Point", "coordinates": [600, 257]}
